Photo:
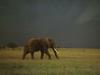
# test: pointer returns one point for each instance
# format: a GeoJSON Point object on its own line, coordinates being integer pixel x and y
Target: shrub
{"type": "Point", "coordinates": [2, 46]}
{"type": "Point", "coordinates": [12, 45]}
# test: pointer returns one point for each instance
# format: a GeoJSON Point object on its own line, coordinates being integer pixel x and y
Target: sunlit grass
{"type": "Point", "coordinates": [73, 61]}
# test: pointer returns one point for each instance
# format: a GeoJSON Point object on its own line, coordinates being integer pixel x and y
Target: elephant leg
{"type": "Point", "coordinates": [42, 54]}
{"type": "Point", "coordinates": [55, 52]}
{"type": "Point", "coordinates": [47, 53]}
{"type": "Point", "coordinates": [24, 55]}
{"type": "Point", "coordinates": [32, 55]}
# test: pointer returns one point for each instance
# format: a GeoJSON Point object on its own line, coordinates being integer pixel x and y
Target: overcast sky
{"type": "Point", "coordinates": [72, 23]}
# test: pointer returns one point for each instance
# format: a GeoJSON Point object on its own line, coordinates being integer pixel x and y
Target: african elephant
{"type": "Point", "coordinates": [40, 44]}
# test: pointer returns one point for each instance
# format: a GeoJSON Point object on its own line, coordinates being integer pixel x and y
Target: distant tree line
{"type": "Point", "coordinates": [11, 45]}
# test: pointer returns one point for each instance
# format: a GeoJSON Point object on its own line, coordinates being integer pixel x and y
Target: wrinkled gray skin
{"type": "Point", "coordinates": [39, 44]}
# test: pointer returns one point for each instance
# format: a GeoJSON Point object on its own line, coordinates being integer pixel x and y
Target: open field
{"type": "Point", "coordinates": [73, 61]}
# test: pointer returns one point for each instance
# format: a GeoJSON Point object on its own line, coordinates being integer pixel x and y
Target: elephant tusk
{"type": "Point", "coordinates": [56, 51]}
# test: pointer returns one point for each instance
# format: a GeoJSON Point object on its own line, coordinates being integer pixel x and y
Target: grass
{"type": "Point", "coordinates": [73, 61]}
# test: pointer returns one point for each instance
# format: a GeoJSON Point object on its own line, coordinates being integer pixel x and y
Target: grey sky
{"type": "Point", "coordinates": [72, 23]}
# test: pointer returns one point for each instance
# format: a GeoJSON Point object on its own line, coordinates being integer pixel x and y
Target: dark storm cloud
{"type": "Point", "coordinates": [72, 23]}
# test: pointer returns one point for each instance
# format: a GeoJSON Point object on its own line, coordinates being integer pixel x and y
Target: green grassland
{"type": "Point", "coordinates": [73, 61]}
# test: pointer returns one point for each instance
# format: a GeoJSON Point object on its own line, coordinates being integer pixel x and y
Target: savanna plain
{"type": "Point", "coordinates": [72, 61]}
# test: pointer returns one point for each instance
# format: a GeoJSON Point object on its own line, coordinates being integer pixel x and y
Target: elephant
{"type": "Point", "coordinates": [40, 44]}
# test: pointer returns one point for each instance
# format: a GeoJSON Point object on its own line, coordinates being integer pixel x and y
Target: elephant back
{"type": "Point", "coordinates": [47, 42]}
